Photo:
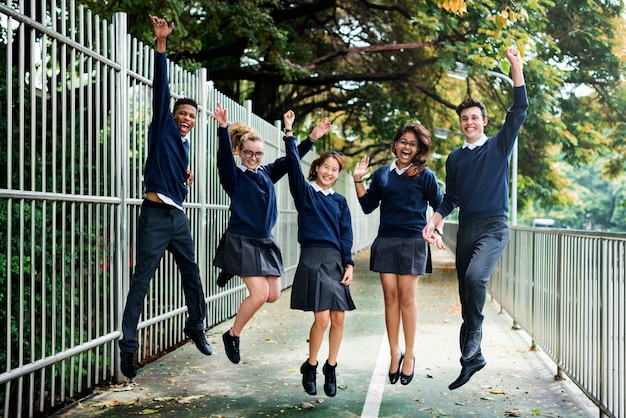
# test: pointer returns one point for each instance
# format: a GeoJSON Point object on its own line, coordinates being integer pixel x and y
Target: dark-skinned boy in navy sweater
{"type": "Point", "coordinates": [162, 223]}
{"type": "Point", "coordinates": [477, 182]}
{"type": "Point", "coordinates": [325, 269]}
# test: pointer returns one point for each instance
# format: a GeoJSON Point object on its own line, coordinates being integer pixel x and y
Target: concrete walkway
{"type": "Point", "coordinates": [516, 382]}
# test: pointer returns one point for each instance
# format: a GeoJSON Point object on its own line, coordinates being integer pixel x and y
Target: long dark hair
{"type": "Point", "coordinates": [423, 144]}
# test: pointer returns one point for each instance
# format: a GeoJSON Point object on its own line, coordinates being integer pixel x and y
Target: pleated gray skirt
{"type": "Point", "coordinates": [400, 256]}
{"type": "Point", "coordinates": [248, 256]}
{"type": "Point", "coordinates": [316, 285]}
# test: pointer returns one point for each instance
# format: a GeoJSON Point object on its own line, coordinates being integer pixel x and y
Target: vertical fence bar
{"type": "Point", "coordinates": [119, 142]}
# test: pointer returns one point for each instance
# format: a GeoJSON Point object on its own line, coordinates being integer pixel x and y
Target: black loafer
{"type": "Point", "coordinates": [330, 379]}
{"type": "Point", "coordinates": [467, 371]}
{"type": "Point", "coordinates": [128, 366]}
{"type": "Point", "coordinates": [231, 346]}
{"type": "Point", "coordinates": [309, 375]}
{"type": "Point", "coordinates": [200, 341]}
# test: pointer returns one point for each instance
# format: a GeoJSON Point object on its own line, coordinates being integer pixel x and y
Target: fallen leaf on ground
{"type": "Point", "coordinates": [306, 405]}
{"type": "Point", "coordinates": [188, 399]}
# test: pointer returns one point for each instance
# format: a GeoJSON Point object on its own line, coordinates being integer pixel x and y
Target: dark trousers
{"type": "Point", "coordinates": [479, 246]}
{"type": "Point", "coordinates": [161, 229]}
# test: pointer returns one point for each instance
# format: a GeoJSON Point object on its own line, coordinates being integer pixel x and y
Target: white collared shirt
{"type": "Point", "coordinates": [318, 188]}
{"type": "Point", "coordinates": [400, 171]}
{"type": "Point", "coordinates": [476, 144]}
{"type": "Point", "coordinates": [166, 199]}
{"type": "Point", "coordinates": [244, 168]}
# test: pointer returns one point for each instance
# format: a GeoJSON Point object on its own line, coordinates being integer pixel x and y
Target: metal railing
{"type": "Point", "coordinates": [567, 290]}
{"type": "Point", "coordinates": [78, 107]}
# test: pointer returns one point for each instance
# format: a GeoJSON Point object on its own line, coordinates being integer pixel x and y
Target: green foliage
{"type": "Point", "coordinates": [373, 67]}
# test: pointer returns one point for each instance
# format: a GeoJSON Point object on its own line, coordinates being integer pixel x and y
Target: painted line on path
{"type": "Point", "coordinates": [378, 381]}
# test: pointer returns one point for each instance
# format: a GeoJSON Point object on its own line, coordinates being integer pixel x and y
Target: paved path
{"type": "Point", "coordinates": [517, 382]}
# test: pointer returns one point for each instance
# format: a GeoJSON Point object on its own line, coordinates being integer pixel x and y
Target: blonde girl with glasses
{"type": "Point", "coordinates": [247, 248]}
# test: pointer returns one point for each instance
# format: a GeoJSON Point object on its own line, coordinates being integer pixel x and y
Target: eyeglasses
{"type": "Point", "coordinates": [404, 143]}
{"type": "Point", "coordinates": [250, 154]}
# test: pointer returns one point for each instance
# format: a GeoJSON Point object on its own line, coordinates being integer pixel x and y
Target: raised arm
{"type": "Point", "coordinates": [279, 168]}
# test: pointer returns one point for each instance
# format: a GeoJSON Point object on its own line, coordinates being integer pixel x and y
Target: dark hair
{"type": "Point", "coordinates": [185, 101]}
{"type": "Point", "coordinates": [471, 102]}
{"type": "Point", "coordinates": [320, 160]}
{"type": "Point", "coordinates": [423, 143]}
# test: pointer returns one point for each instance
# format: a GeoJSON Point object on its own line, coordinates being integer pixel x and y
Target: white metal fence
{"type": "Point", "coordinates": [76, 107]}
{"type": "Point", "coordinates": [567, 289]}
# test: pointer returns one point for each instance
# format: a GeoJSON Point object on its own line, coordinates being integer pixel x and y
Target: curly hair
{"type": "Point", "coordinates": [321, 159]}
{"type": "Point", "coordinates": [240, 133]}
{"type": "Point", "coordinates": [423, 144]}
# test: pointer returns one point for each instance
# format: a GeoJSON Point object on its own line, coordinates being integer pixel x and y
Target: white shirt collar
{"type": "Point", "coordinates": [326, 192]}
{"type": "Point", "coordinates": [244, 168]}
{"type": "Point", "coordinates": [476, 144]}
{"type": "Point", "coordinates": [400, 171]}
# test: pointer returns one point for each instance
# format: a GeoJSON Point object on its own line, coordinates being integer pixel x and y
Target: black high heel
{"type": "Point", "coordinates": [393, 377]}
{"type": "Point", "coordinates": [404, 379]}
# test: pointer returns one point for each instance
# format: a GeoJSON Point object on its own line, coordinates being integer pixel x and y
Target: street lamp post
{"type": "Point", "coordinates": [460, 72]}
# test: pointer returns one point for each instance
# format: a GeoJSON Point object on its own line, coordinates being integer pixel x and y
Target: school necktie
{"type": "Point", "coordinates": [186, 146]}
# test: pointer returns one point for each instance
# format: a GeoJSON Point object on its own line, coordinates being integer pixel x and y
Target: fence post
{"type": "Point", "coordinates": [201, 147]}
{"type": "Point", "coordinates": [120, 131]}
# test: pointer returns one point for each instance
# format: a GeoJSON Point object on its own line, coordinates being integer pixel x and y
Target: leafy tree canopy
{"type": "Point", "coordinates": [373, 65]}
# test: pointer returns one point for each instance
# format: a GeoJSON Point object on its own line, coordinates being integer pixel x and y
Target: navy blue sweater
{"type": "Point", "coordinates": [403, 201]}
{"type": "Point", "coordinates": [167, 162]}
{"type": "Point", "coordinates": [477, 181]}
{"type": "Point", "coordinates": [253, 209]}
{"type": "Point", "coordinates": [323, 221]}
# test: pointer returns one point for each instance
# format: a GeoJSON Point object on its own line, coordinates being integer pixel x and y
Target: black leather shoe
{"type": "Point", "coordinates": [127, 364]}
{"type": "Point", "coordinates": [406, 379]}
{"type": "Point", "coordinates": [471, 347]}
{"type": "Point", "coordinates": [309, 374]}
{"type": "Point", "coordinates": [231, 345]}
{"type": "Point", "coordinates": [330, 379]}
{"type": "Point", "coordinates": [467, 371]}
{"type": "Point", "coordinates": [200, 341]}
{"type": "Point", "coordinates": [393, 377]}
{"type": "Point", "coordinates": [223, 278]}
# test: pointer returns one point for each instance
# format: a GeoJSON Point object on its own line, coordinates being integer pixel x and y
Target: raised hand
{"type": "Point", "coordinates": [220, 115]}
{"type": "Point", "coordinates": [322, 128]}
{"type": "Point", "coordinates": [513, 55]}
{"type": "Point", "coordinates": [288, 118]}
{"type": "Point", "coordinates": [161, 29]}
{"type": "Point", "coordinates": [362, 169]}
